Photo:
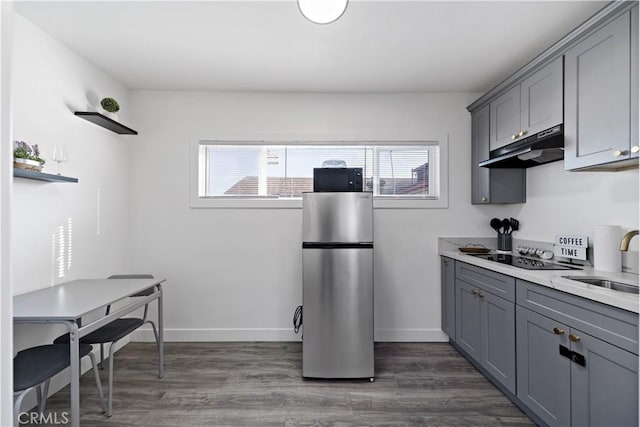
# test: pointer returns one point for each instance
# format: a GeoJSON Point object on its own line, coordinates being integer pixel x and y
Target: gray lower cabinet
{"type": "Point", "coordinates": [485, 322]}
{"type": "Point", "coordinates": [448, 295]}
{"type": "Point", "coordinates": [567, 376]}
{"type": "Point", "coordinates": [544, 377]}
{"type": "Point", "coordinates": [569, 361]}
{"type": "Point", "coordinates": [491, 186]}
{"type": "Point", "coordinates": [599, 73]}
{"type": "Point", "coordinates": [468, 319]}
{"type": "Point", "coordinates": [604, 392]}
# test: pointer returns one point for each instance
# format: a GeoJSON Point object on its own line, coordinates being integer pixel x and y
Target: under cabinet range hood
{"type": "Point", "coordinates": [544, 147]}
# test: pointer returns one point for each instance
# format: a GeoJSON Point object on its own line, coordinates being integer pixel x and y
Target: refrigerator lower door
{"type": "Point", "coordinates": [338, 313]}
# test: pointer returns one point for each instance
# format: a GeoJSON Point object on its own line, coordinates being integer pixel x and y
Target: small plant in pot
{"type": "Point", "coordinates": [110, 106]}
{"type": "Point", "coordinates": [27, 157]}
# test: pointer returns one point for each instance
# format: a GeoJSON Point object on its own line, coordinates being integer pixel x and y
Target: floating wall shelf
{"type": "Point", "coordinates": [24, 173]}
{"type": "Point", "coordinates": [106, 122]}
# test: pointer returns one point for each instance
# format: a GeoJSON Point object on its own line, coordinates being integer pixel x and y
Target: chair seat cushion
{"type": "Point", "coordinates": [108, 333]}
{"type": "Point", "coordinates": [34, 365]}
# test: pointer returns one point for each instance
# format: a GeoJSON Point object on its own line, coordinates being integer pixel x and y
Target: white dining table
{"type": "Point", "coordinates": [68, 302]}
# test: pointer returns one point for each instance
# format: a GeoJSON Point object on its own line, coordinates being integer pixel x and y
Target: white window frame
{"type": "Point", "coordinates": [197, 178]}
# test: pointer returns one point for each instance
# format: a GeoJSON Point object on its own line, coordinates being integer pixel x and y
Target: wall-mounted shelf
{"type": "Point", "coordinates": [105, 122]}
{"type": "Point", "coordinates": [40, 176]}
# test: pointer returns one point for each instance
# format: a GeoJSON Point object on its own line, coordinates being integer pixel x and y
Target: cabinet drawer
{"type": "Point", "coordinates": [616, 326]}
{"type": "Point", "coordinates": [490, 281]}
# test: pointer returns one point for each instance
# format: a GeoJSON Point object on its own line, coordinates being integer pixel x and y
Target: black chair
{"type": "Point", "coordinates": [114, 331]}
{"type": "Point", "coordinates": [34, 367]}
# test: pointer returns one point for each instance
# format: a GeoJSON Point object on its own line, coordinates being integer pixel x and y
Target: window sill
{"type": "Point", "coordinates": [378, 203]}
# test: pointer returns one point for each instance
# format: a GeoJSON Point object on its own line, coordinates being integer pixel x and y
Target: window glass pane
{"type": "Point", "coordinates": [285, 171]}
{"type": "Point", "coordinates": [404, 171]}
{"type": "Point", "coordinates": [232, 170]}
{"type": "Point", "coordinates": [302, 159]}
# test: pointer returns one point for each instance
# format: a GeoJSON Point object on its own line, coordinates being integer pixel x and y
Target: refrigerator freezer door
{"type": "Point", "coordinates": [337, 217]}
{"type": "Point", "coordinates": [338, 313]}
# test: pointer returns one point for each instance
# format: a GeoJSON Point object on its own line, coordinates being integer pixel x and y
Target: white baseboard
{"type": "Point", "coordinates": [278, 334]}
{"type": "Point", "coordinates": [411, 335]}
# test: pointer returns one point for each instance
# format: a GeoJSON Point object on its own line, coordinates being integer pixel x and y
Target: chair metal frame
{"type": "Point", "coordinates": [112, 345]}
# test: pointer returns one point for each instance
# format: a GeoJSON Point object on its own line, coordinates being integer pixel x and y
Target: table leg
{"type": "Point", "coordinates": [160, 333]}
{"type": "Point", "coordinates": [74, 359]}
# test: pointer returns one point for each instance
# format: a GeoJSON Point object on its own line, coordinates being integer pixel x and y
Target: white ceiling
{"type": "Point", "coordinates": [377, 46]}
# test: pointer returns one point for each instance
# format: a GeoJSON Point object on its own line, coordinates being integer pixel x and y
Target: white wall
{"type": "Point", "coordinates": [573, 202]}
{"type": "Point", "coordinates": [50, 82]}
{"type": "Point", "coordinates": [234, 274]}
{"type": "Point", "coordinates": [6, 308]}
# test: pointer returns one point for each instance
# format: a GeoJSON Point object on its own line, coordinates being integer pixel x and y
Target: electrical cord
{"type": "Point", "coordinates": [297, 319]}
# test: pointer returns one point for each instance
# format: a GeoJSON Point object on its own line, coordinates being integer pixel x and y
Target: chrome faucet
{"type": "Point", "coordinates": [624, 245]}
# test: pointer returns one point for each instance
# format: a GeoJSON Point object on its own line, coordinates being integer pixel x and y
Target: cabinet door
{"type": "Point", "coordinates": [597, 97]}
{"type": "Point", "coordinates": [448, 294]}
{"type": "Point", "coordinates": [479, 152]}
{"type": "Point", "coordinates": [604, 391]}
{"type": "Point", "coordinates": [635, 71]}
{"type": "Point", "coordinates": [544, 376]}
{"type": "Point", "coordinates": [505, 118]}
{"type": "Point", "coordinates": [468, 319]}
{"type": "Point", "coordinates": [541, 99]}
{"type": "Point", "coordinates": [498, 339]}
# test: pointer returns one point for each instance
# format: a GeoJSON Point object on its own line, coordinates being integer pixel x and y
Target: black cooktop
{"type": "Point", "coordinates": [523, 262]}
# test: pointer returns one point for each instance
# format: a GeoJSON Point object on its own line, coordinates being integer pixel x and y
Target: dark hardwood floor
{"type": "Point", "coordinates": [260, 384]}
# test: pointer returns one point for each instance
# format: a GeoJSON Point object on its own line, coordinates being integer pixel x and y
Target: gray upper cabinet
{"type": "Point", "coordinates": [480, 184]}
{"type": "Point", "coordinates": [505, 118]}
{"type": "Point", "coordinates": [599, 75]}
{"type": "Point", "coordinates": [529, 107]}
{"type": "Point", "coordinates": [541, 99]}
{"type": "Point", "coordinates": [492, 185]}
{"type": "Point", "coordinates": [448, 295]}
{"type": "Point", "coordinates": [635, 73]}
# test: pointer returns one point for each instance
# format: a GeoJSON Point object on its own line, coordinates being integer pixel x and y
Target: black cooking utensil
{"type": "Point", "coordinates": [495, 224]}
{"type": "Point", "coordinates": [515, 224]}
{"type": "Point", "coordinates": [506, 225]}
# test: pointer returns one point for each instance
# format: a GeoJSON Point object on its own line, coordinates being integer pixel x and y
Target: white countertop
{"type": "Point", "coordinates": [551, 278]}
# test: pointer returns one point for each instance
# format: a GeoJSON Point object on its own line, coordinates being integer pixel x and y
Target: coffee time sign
{"type": "Point", "coordinates": [571, 246]}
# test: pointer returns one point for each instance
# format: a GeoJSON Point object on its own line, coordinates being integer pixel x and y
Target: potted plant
{"type": "Point", "coordinates": [110, 107]}
{"type": "Point", "coordinates": [27, 157]}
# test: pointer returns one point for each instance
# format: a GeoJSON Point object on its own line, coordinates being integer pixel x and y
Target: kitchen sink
{"type": "Point", "coordinates": [605, 283]}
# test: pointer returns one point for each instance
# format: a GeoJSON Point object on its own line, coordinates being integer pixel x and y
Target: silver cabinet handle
{"type": "Point", "coordinates": [635, 149]}
{"type": "Point", "coordinates": [522, 133]}
{"type": "Point", "coordinates": [618, 153]}
{"type": "Point", "coordinates": [484, 199]}
{"type": "Point", "coordinates": [514, 136]}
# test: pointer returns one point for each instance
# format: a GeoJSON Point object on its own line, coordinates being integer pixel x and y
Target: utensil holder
{"type": "Point", "coordinates": [504, 242]}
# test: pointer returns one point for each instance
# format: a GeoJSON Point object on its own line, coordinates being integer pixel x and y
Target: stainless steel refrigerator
{"type": "Point", "coordinates": [337, 285]}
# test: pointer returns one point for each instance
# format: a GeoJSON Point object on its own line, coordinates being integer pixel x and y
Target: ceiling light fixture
{"type": "Point", "coordinates": [322, 11]}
